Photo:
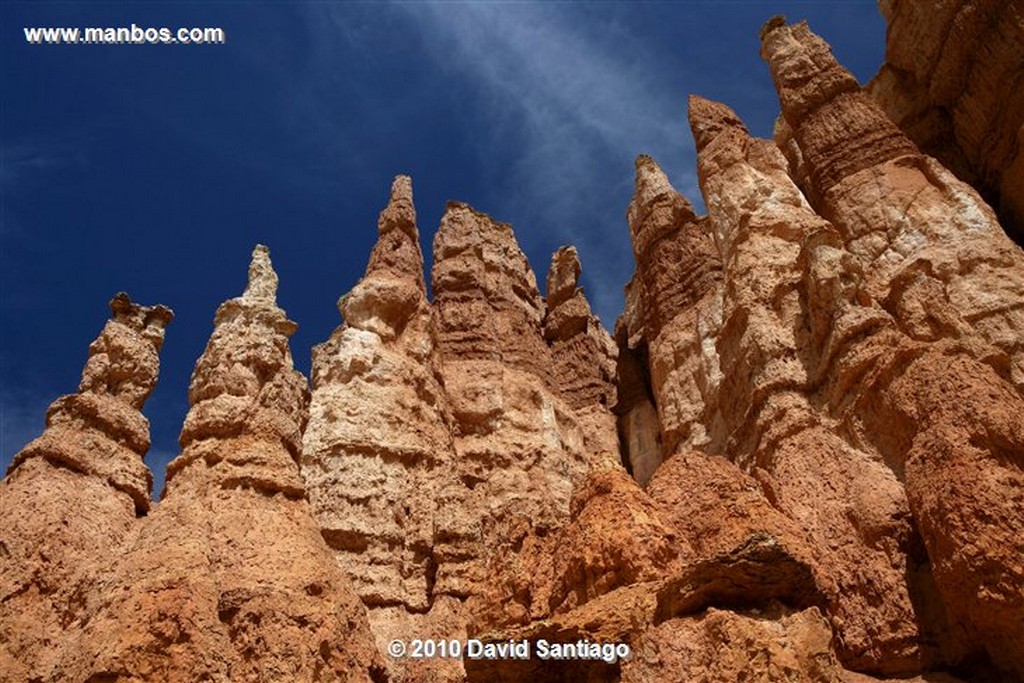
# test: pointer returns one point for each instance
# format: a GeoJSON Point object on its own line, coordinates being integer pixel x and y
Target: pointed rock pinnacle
{"type": "Point", "coordinates": [805, 72]}
{"type": "Point", "coordinates": [262, 278]}
{"type": "Point", "coordinates": [653, 195]}
{"type": "Point", "coordinates": [708, 119]}
{"type": "Point", "coordinates": [400, 212]}
{"type": "Point", "coordinates": [563, 276]}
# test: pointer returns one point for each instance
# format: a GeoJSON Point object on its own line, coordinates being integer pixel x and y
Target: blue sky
{"type": "Point", "coordinates": [154, 169]}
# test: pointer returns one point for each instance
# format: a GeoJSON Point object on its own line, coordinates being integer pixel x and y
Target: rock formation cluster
{"type": "Point", "coordinates": [798, 458]}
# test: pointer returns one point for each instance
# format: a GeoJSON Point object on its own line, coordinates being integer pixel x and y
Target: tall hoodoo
{"type": "Point", "coordinates": [800, 459]}
{"type": "Point", "coordinates": [117, 379]}
{"type": "Point", "coordinates": [583, 357]}
{"type": "Point", "coordinates": [485, 294]}
{"type": "Point", "coordinates": [229, 578]}
{"type": "Point", "coordinates": [72, 496]}
{"type": "Point", "coordinates": [245, 390]}
{"type": "Point", "coordinates": [378, 453]}
{"type": "Point", "coordinates": [671, 320]}
{"type": "Point", "coordinates": [519, 448]}
{"type": "Point", "coordinates": [932, 251]}
{"type": "Point", "coordinates": [771, 424]}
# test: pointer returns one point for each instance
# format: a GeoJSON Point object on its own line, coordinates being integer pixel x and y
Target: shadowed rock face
{"type": "Point", "coordinates": [583, 357]}
{"type": "Point", "coordinates": [72, 496]}
{"type": "Point", "coordinates": [951, 82]}
{"type": "Point", "coordinates": [672, 311]}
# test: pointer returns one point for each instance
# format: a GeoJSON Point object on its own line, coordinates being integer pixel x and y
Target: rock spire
{"type": "Point", "coordinates": [72, 496]}
{"type": "Point", "coordinates": [229, 579]}
{"type": "Point", "coordinates": [930, 247]}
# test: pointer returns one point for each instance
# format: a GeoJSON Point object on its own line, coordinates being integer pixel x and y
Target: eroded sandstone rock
{"type": "Point", "coordinates": [947, 83]}
{"type": "Point", "coordinates": [843, 497]}
{"type": "Point", "coordinates": [932, 250]}
{"type": "Point", "coordinates": [379, 427]}
{"type": "Point", "coordinates": [814, 390]}
{"type": "Point", "coordinates": [519, 447]}
{"type": "Point", "coordinates": [673, 312]}
{"type": "Point", "coordinates": [583, 357]}
{"type": "Point", "coordinates": [72, 496]}
{"type": "Point", "coordinates": [229, 578]}
{"type": "Point", "coordinates": [378, 451]}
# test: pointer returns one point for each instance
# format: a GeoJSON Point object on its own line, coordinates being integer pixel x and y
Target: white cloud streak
{"type": "Point", "coordinates": [571, 99]}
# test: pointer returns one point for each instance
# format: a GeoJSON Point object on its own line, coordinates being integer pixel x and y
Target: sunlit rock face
{"type": "Point", "coordinates": [438, 429]}
{"type": "Point", "coordinates": [799, 458]}
{"type": "Point", "coordinates": [799, 389]}
{"type": "Point", "coordinates": [932, 251]}
{"type": "Point", "coordinates": [946, 83]}
{"type": "Point", "coordinates": [72, 497]}
{"type": "Point", "coordinates": [229, 578]}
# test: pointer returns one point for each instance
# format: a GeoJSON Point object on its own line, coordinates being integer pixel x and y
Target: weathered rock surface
{"type": "Point", "coordinates": [229, 579]}
{"type": "Point", "coordinates": [72, 497]}
{"type": "Point", "coordinates": [932, 251]}
{"type": "Point", "coordinates": [583, 357]}
{"type": "Point", "coordinates": [951, 81]}
{"type": "Point", "coordinates": [436, 431]}
{"type": "Point", "coordinates": [673, 312]}
{"type": "Point", "coordinates": [850, 504]}
{"type": "Point", "coordinates": [378, 452]}
{"type": "Point", "coordinates": [800, 459]}
{"type": "Point", "coordinates": [379, 425]}
{"type": "Point", "coordinates": [519, 446]}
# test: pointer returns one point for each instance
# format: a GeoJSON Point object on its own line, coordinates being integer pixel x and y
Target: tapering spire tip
{"type": "Point", "coordinates": [778, 21]}
{"type": "Point", "coordinates": [262, 278]}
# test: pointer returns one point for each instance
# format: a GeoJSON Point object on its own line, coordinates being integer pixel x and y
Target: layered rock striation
{"type": "Point", "coordinates": [673, 312]}
{"type": "Point", "coordinates": [799, 459]}
{"type": "Point", "coordinates": [229, 578]}
{"type": "Point", "coordinates": [72, 497]}
{"type": "Point", "coordinates": [933, 252]}
{"type": "Point", "coordinates": [952, 82]}
{"type": "Point", "coordinates": [439, 431]}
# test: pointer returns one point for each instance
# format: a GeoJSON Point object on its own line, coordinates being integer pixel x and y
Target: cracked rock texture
{"type": "Point", "coordinates": [932, 251]}
{"type": "Point", "coordinates": [437, 429]}
{"type": "Point", "coordinates": [799, 458]}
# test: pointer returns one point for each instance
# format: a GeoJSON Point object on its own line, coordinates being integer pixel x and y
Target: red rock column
{"type": "Point", "coordinates": [846, 499]}
{"type": "Point", "coordinates": [673, 311]}
{"type": "Point", "coordinates": [229, 578]}
{"type": "Point", "coordinates": [72, 496]}
{"type": "Point", "coordinates": [933, 252]}
{"type": "Point", "coordinates": [583, 358]}
{"type": "Point", "coordinates": [520, 448]}
{"type": "Point", "coordinates": [378, 422]}
{"type": "Point", "coordinates": [378, 452]}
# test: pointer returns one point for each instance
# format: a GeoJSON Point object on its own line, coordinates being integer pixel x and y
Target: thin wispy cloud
{"type": "Point", "coordinates": [571, 107]}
